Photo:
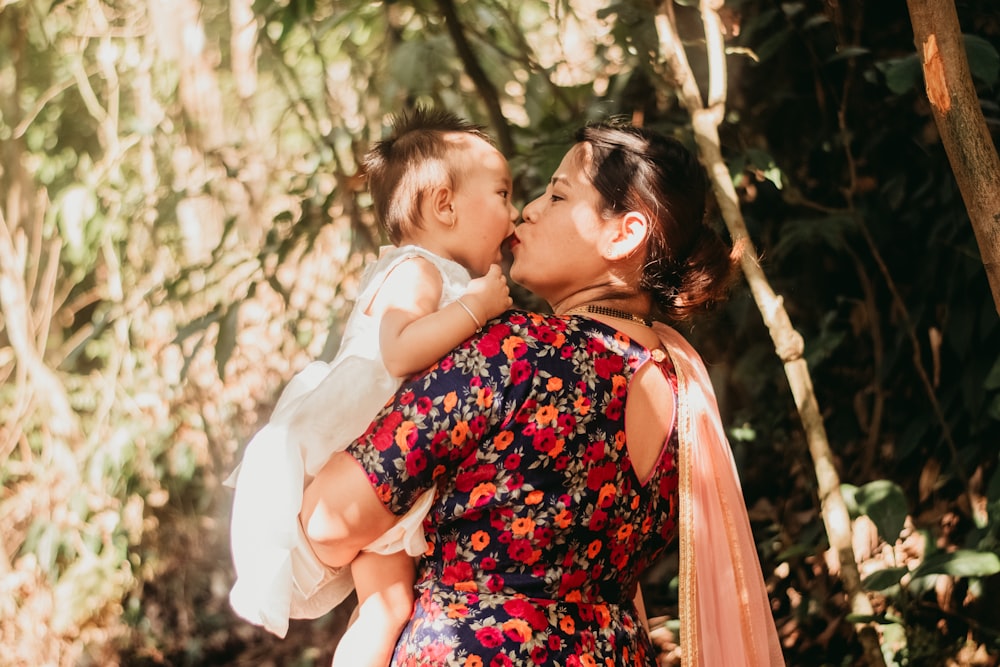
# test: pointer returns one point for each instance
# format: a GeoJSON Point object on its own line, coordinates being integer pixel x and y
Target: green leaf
{"type": "Point", "coordinates": [884, 503]}
{"type": "Point", "coordinates": [883, 579]}
{"type": "Point", "coordinates": [984, 61]}
{"type": "Point", "coordinates": [226, 342]}
{"type": "Point", "coordinates": [992, 380]}
{"type": "Point", "coordinates": [901, 74]}
{"type": "Point", "coordinates": [961, 563]}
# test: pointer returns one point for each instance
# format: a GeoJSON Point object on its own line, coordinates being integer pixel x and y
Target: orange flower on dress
{"type": "Point", "coordinates": [587, 660]}
{"type": "Point", "coordinates": [557, 448]}
{"type": "Point", "coordinates": [624, 532]}
{"type": "Point", "coordinates": [450, 400]}
{"type": "Point", "coordinates": [567, 625]}
{"type": "Point", "coordinates": [545, 414]}
{"type": "Point", "coordinates": [619, 440]}
{"type": "Point", "coordinates": [602, 615]}
{"type": "Point", "coordinates": [517, 628]}
{"type": "Point", "coordinates": [559, 341]}
{"type": "Point", "coordinates": [459, 433]}
{"type": "Point", "coordinates": [582, 405]}
{"type": "Point", "coordinates": [480, 540]}
{"type": "Point", "coordinates": [458, 610]}
{"type": "Point", "coordinates": [534, 497]}
{"type": "Point", "coordinates": [502, 440]}
{"type": "Point", "coordinates": [608, 492]}
{"type": "Point", "coordinates": [438, 471]}
{"type": "Point", "coordinates": [593, 549]}
{"type": "Point", "coordinates": [483, 490]}
{"type": "Point", "coordinates": [617, 383]}
{"type": "Point", "coordinates": [403, 434]}
{"type": "Point", "coordinates": [522, 526]}
{"type": "Point", "coordinates": [472, 660]}
{"type": "Point", "coordinates": [484, 397]}
{"type": "Point", "coordinates": [554, 384]}
{"type": "Point", "coordinates": [510, 345]}
{"type": "Point", "coordinates": [564, 518]}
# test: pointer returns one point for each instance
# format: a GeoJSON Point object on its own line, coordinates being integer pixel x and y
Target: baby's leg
{"type": "Point", "coordinates": [385, 603]}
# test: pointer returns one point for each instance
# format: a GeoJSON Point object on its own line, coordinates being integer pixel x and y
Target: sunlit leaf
{"type": "Point", "coordinates": [883, 579]}
{"type": "Point", "coordinates": [960, 563]}
{"type": "Point", "coordinates": [885, 504]}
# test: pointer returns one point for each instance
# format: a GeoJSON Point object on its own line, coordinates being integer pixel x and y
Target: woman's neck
{"type": "Point", "coordinates": [638, 304]}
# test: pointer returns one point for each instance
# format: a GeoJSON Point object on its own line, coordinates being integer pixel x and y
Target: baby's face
{"type": "Point", "coordinates": [484, 213]}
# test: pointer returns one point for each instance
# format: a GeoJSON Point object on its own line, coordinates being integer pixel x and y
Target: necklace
{"type": "Point", "coordinates": [610, 312]}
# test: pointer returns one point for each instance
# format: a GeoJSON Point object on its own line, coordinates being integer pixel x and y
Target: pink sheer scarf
{"type": "Point", "coordinates": [725, 612]}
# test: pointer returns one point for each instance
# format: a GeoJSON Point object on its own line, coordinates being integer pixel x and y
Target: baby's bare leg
{"type": "Point", "coordinates": [385, 602]}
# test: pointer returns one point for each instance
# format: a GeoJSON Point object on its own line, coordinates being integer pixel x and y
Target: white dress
{"type": "Point", "coordinates": [321, 411]}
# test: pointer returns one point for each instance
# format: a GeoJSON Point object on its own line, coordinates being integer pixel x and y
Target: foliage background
{"type": "Point", "coordinates": [183, 228]}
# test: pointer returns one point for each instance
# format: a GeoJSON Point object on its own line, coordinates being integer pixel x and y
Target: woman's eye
{"type": "Point", "coordinates": [555, 197]}
{"type": "Point", "coordinates": [505, 194]}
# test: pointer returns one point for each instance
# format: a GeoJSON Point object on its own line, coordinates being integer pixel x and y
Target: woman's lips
{"type": "Point", "coordinates": [512, 241]}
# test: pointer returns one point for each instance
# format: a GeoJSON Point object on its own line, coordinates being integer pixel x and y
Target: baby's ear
{"type": "Point", "coordinates": [630, 231]}
{"type": "Point", "coordinates": [441, 205]}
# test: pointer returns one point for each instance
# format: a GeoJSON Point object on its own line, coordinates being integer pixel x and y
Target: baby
{"type": "Point", "coordinates": [442, 193]}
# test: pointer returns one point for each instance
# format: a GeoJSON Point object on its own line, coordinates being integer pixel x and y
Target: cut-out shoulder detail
{"type": "Point", "coordinates": [650, 414]}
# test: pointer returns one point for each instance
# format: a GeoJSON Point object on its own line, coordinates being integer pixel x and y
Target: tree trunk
{"type": "Point", "coordinates": [960, 122]}
{"type": "Point", "coordinates": [787, 341]}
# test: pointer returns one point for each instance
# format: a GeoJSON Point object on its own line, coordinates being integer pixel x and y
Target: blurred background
{"type": "Point", "coordinates": [183, 226]}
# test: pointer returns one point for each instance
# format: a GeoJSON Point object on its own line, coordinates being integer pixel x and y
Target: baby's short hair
{"type": "Point", "coordinates": [414, 158]}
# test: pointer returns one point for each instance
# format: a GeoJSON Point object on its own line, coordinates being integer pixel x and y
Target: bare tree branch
{"type": "Point", "coordinates": [491, 98]}
{"type": "Point", "coordinates": [787, 341]}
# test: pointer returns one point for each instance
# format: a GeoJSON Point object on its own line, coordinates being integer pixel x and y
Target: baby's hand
{"type": "Point", "coordinates": [488, 296]}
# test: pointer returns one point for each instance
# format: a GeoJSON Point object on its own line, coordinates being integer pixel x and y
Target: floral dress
{"type": "Point", "coordinates": [541, 528]}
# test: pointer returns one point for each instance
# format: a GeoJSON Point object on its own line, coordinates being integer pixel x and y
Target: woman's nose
{"type": "Point", "coordinates": [527, 213]}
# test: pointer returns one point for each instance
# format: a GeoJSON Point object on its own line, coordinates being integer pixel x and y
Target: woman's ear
{"type": "Point", "coordinates": [631, 230]}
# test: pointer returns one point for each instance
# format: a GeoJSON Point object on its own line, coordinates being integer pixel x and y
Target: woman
{"type": "Point", "coordinates": [568, 450]}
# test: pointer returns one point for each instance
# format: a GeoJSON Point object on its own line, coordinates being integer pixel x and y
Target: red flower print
{"type": "Point", "coordinates": [406, 397]}
{"type": "Point", "coordinates": [500, 660]}
{"type": "Point", "coordinates": [520, 550]}
{"type": "Point", "coordinates": [456, 573]}
{"type": "Point", "coordinates": [605, 367]}
{"type": "Point", "coordinates": [614, 409]}
{"type": "Point", "coordinates": [539, 655]}
{"type": "Point", "coordinates": [495, 583]}
{"type": "Point", "coordinates": [435, 652]}
{"type": "Point", "coordinates": [490, 636]}
{"type": "Point", "coordinates": [512, 461]}
{"type": "Point", "coordinates": [598, 475]}
{"type": "Point", "coordinates": [520, 371]}
{"type": "Point", "coordinates": [424, 405]}
{"type": "Point", "coordinates": [488, 345]}
{"type": "Point", "coordinates": [416, 462]}
{"type": "Point", "coordinates": [447, 364]}
{"type": "Point", "coordinates": [598, 520]}
{"type": "Point", "coordinates": [385, 435]}
{"type": "Point", "coordinates": [571, 581]}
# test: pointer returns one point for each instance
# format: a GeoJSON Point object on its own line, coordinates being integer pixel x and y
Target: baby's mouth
{"type": "Point", "coordinates": [512, 241]}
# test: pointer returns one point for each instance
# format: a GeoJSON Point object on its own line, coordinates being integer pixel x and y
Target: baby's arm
{"type": "Point", "coordinates": [385, 603]}
{"type": "Point", "coordinates": [414, 333]}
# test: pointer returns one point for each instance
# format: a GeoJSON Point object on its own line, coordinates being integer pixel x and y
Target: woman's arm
{"type": "Point", "coordinates": [414, 333]}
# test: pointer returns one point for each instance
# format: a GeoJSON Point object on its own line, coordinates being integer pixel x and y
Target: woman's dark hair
{"type": "Point", "coordinates": [687, 265]}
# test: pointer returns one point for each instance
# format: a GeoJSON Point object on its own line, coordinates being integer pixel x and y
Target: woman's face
{"type": "Point", "coordinates": [557, 249]}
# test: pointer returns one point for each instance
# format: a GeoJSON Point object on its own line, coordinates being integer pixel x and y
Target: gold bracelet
{"type": "Point", "coordinates": [471, 314]}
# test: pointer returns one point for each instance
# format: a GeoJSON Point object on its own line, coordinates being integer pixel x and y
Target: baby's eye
{"type": "Point", "coordinates": [505, 194]}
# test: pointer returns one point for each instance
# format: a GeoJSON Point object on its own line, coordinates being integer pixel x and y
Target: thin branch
{"type": "Point", "coordinates": [491, 98]}
{"type": "Point", "coordinates": [787, 341]}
